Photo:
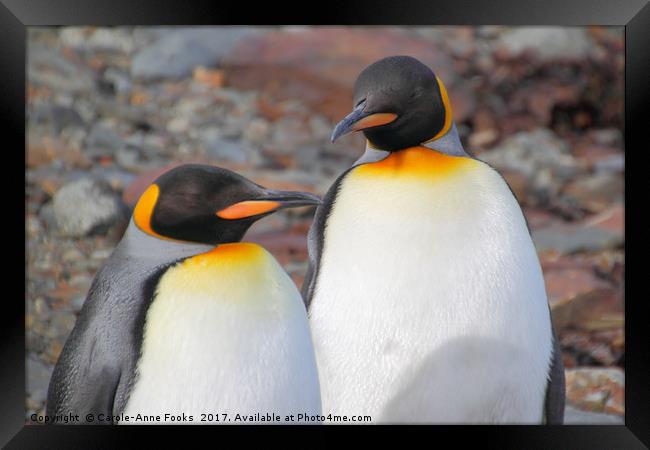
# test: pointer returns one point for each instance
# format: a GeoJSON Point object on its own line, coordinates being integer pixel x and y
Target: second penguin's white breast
{"type": "Point", "coordinates": [430, 303]}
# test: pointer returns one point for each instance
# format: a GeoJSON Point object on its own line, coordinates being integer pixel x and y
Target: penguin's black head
{"type": "Point", "coordinates": [209, 205]}
{"type": "Point", "coordinates": [398, 103]}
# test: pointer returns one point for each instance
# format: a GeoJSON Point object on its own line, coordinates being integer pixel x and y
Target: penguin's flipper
{"type": "Point", "coordinates": [84, 381]}
{"type": "Point", "coordinates": [555, 389]}
{"type": "Point", "coordinates": [97, 365]}
{"type": "Point", "coordinates": [315, 238]}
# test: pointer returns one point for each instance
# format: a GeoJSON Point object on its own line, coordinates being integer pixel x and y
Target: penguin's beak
{"type": "Point", "coordinates": [360, 119]}
{"type": "Point", "coordinates": [291, 199]}
{"type": "Point", "coordinates": [271, 201]}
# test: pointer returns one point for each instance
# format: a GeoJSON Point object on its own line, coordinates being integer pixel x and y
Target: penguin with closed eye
{"type": "Point", "coordinates": [425, 293]}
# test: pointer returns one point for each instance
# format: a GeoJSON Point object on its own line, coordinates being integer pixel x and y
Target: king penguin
{"type": "Point", "coordinates": [425, 293]}
{"type": "Point", "coordinates": [185, 323]}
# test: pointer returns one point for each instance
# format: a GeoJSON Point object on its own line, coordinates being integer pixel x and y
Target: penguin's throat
{"type": "Point", "coordinates": [236, 253]}
{"type": "Point", "coordinates": [418, 162]}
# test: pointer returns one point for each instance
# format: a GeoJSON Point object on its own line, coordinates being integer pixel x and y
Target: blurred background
{"type": "Point", "coordinates": [109, 109]}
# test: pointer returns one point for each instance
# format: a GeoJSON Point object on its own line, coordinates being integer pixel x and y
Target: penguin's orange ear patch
{"type": "Point", "coordinates": [448, 112]}
{"type": "Point", "coordinates": [374, 120]}
{"type": "Point", "coordinates": [144, 209]}
{"type": "Point", "coordinates": [247, 208]}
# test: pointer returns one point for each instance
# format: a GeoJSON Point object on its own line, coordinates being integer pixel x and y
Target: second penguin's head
{"type": "Point", "coordinates": [209, 205]}
{"type": "Point", "coordinates": [399, 103]}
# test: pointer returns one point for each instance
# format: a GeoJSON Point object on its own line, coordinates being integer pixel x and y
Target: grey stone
{"type": "Point", "coordinates": [596, 191]}
{"type": "Point", "coordinates": [289, 134]}
{"type": "Point", "coordinates": [608, 136]}
{"type": "Point", "coordinates": [118, 179]}
{"type": "Point", "coordinates": [540, 156]}
{"type": "Point", "coordinates": [34, 341]}
{"type": "Point", "coordinates": [572, 239]}
{"type": "Point", "coordinates": [61, 325]}
{"type": "Point", "coordinates": [257, 131]}
{"type": "Point", "coordinates": [129, 158]}
{"type": "Point", "coordinates": [176, 53]}
{"type": "Point", "coordinates": [48, 67]}
{"type": "Point", "coordinates": [77, 303]}
{"type": "Point", "coordinates": [221, 148]}
{"type": "Point", "coordinates": [120, 81]}
{"type": "Point", "coordinates": [46, 214]}
{"type": "Point", "coordinates": [548, 42]}
{"type": "Point", "coordinates": [613, 164]}
{"type": "Point", "coordinates": [102, 140]}
{"type": "Point", "coordinates": [97, 39]}
{"type": "Point", "coordinates": [573, 416]}
{"type": "Point", "coordinates": [57, 116]}
{"type": "Point", "coordinates": [38, 378]}
{"type": "Point", "coordinates": [86, 206]}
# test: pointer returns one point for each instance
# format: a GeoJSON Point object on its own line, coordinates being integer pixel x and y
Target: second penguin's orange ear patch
{"type": "Point", "coordinates": [247, 208]}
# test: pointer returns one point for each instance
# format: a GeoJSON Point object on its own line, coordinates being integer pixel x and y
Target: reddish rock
{"type": "Point", "coordinates": [283, 245]}
{"type": "Point", "coordinates": [284, 185]}
{"type": "Point", "coordinates": [540, 99]}
{"type": "Point", "coordinates": [578, 298]}
{"type": "Point", "coordinates": [612, 219]}
{"type": "Point", "coordinates": [594, 155]}
{"type": "Point", "coordinates": [211, 77]}
{"type": "Point", "coordinates": [518, 182]}
{"type": "Point", "coordinates": [319, 65]}
{"type": "Point", "coordinates": [596, 192]}
{"type": "Point", "coordinates": [298, 278]}
{"type": "Point", "coordinates": [46, 150]}
{"type": "Point", "coordinates": [463, 103]}
{"type": "Point", "coordinates": [64, 291]}
{"type": "Point", "coordinates": [288, 247]}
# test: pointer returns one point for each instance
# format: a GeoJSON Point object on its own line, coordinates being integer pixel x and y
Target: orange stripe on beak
{"type": "Point", "coordinates": [247, 208]}
{"type": "Point", "coordinates": [374, 120]}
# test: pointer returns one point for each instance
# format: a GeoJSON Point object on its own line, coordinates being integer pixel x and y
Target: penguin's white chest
{"type": "Point", "coordinates": [430, 303]}
{"type": "Point", "coordinates": [226, 334]}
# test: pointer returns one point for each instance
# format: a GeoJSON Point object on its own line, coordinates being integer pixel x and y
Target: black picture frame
{"type": "Point", "coordinates": [634, 15]}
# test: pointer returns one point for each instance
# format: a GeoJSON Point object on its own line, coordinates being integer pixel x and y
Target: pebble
{"type": "Point", "coordinates": [61, 325]}
{"type": "Point", "coordinates": [86, 206]}
{"type": "Point", "coordinates": [220, 148]}
{"type": "Point", "coordinates": [257, 131]}
{"type": "Point", "coordinates": [541, 156]}
{"type": "Point", "coordinates": [573, 238]}
{"type": "Point", "coordinates": [101, 254]}
{"type": "Point", "coordinates": [595, 192]}
{"type": "Point", "coordinates": [38, 378]}
{"type": "Point", "coordinates": [102, 140]}
{"type": "Point", "coordinates": [549, 43]}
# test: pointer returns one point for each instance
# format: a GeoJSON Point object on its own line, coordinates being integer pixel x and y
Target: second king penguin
{"type": "Point", "coordinates": [425, 293]}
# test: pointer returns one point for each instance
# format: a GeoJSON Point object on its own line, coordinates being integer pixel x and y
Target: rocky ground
{"type": "Point", "coordinates": [111, 108]}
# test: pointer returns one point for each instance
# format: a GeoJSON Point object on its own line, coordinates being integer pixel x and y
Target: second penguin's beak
{"type": "Point", "coordinates": [272, 201]}
{"type": "Point", "coordinates": [360, 119]}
